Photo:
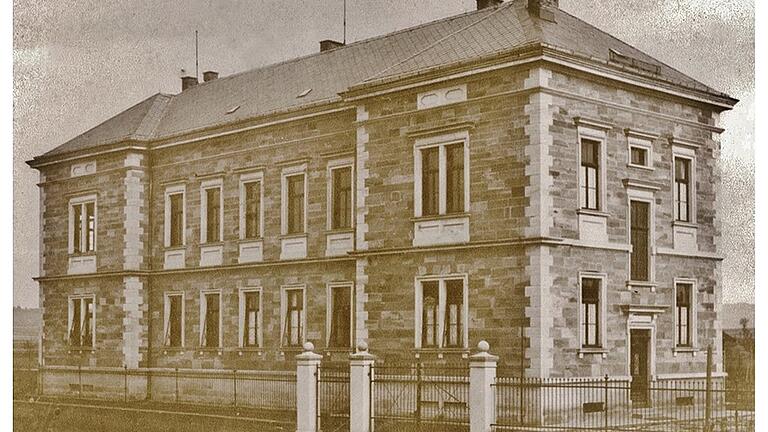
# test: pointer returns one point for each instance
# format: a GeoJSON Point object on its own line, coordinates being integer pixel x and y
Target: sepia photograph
{"type": "Point", "coordinates": [381, 216]}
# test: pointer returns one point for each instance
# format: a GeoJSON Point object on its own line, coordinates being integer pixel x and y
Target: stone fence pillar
{"type": "Point", "coordinates": [307, 364]}
{"type": "Point", "coordinates": [360, 408]}
{"type": "Point", "coordinates": [482, 374]}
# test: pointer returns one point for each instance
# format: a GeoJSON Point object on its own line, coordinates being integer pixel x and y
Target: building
{"type": "Point", "coordinates": [510, 174]}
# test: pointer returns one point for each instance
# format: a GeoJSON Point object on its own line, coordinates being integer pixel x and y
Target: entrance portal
{"type": "Point", "coordinates": [638, 364]}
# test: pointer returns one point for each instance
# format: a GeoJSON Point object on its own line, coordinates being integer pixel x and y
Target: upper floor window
{"type": "Point", "coordinates": [640, 239]}
{"type": "Point", "coordinates": [174, 319]}
{"type": "Point", "coordinates": [683, 314]}
{"type": "Point", "coordinates": [341, 197]}
{"type": "Point", "coordinates": [441, 312]}
{"type": "Point", "coordinates": [682, 189]}
{"type": "Point", "coordinates": [250, 318]}
{"type": "Point", "coordinates": [441, 175]}
{"type": "Point", "coordinates": [591, 318]}
{"type": "Point", "coordinates": [589, 174]}
{"type": "Point", "coordinates": [174, 216]}
{"type": "Point", "coordinates": [640, 145]}
{"type": "Point", "coordinates": [251, 193]}
{"type": "Point", "coordinates": [340, 316]}
{"type": "Point", "coordinates": [210, 325]}
{"type": "Point", "coordinates": [293, 319]}
{"type": "Point", "coordinates": [82, 321]}
{"type": "Point", "coordinates": [82, 233]}
{"type": "Point", "coordinates": [294, 200]}
{"type": "Point", "coordinates": [211, 214]}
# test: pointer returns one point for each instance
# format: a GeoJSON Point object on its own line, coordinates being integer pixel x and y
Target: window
{"type": "Point", "coordinates": [82, 321]}
{"type": "Point", "coordinates": [590, 312]}
{"type": "Point", "coordinates": [210, 327]}
{"type": "Point", "coordinates": [589, 174]}
{"type": "Point", "coordinates": [682, 189]}
{"type": "Point", "coordinates": [441, 313]}
{"type": "Point", "coordinates": [250, 318]}
{"type": "Point", "coordinates": [640, 145]}
{"type": "Point", "coordinates": [441, 175]}
{"type": "Point", "coordinates": [293, 317]}
{"type": "Point", "coordinates": [341, 192]}
{"type": "Point", "coordinates": [340, 313]}
{"type": "Point", "coordinates": [211, 230]}
{"type": "Point", "coordinates": [639, 237]}
{"type": "Point", "coordinates": [294, 200]}
{"type": "Point", "coordinates": [638, 156]}
{"type": "Point", "coordinates": [175, 220]}
{"type": "Point", "coordinates": [252, 209]}
{"type": "Point", "coordinates": [683, 297]}
{"type": "Point", "coordinates": [174, 320]}
{"type": "Point", "coordinates": [82, 225]}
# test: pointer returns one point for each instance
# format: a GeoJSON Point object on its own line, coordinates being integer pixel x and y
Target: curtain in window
{"type": "Point", "coordinates": [90, 227]}
{"type": "Point", "coordinates": [342, 198]}
{"type": "Point", "coordinates": [639, 231]}
{"type": "Point", "coordinates": [213, 215]}
{"type": "Point", "coordinates": [250, 334]}
{"type": "Point", "coordinates": [590, 302]}
{"type": "Point", "coordinates": [295, 204]}
{"type": "Point", "coordinates": [589, 174]}
{"type": "Point", "coordinates": [682, 189]}
{"type": "Point", "coordinates": [211, 322]}
{"type": "Point", "coordinates": [454, 300]}
{"type": "Point", "coordinates": [430, 181]}
{"type": "Point", "coordinates": [454, 161]}
{"type": "Point", "coordinates": [340, 317]}
{"type": "Point", "coordinates": [252, 208]}
{"type": "Point", "coordinates": [683, 303]}
{"type": "Point", "coordinates": [173, 321]}
{"type": "Point", "coordinates": [74, 329]}
{"type": "Point", "coordinates": [86, 328]}
{"type": "Point", "coordinates": [177, 219]}
{"type": "Point", "coordinates": [77, 235]}
{"type": "Point", "coordinates": [293, 319]}
{"type": "Point", "coordinates": [429, 315]}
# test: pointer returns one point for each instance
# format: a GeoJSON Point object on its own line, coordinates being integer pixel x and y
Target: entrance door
{"type": "Point", "coordinates": [638, 364]}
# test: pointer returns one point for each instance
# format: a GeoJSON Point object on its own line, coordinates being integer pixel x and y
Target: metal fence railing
{"type": "Point", "coordinates": [333, 397]}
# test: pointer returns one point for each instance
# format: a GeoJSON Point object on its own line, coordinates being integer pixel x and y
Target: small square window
{"type": "Point", "coordinates": [639, 156]}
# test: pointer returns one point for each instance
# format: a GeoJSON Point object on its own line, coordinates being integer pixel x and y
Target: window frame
{"type": "Point", "coordinates": [601, 322]}
{"type": "Point", "coordinates": [172, 190]}
{"type": "Point", "coordinates": [289, 172]}
{"type": "Point", "coordinates": [167, 315]}
{"type": "Point", "coordinates": [692, 311]}
{"type": "Point", "coordinates": [599, 136]}
{"type": "Point", "coordinates": [441, 142]}
{"type": "Point", "coordinates": [70, 317]}
{"type": "Point", "coordinates": [284, 309]}
{"type": "Point", "coordinates": [204, 187]}
{"type": "Point", "coordinates": [442, 294]}
{"type": "Point", "coordinates": [203, 311]}
{"type": "Point", "coordinates": [259, 319]}
{"type": "Point", "coordinates": [83, 201]}
{"type": "Point", "coordinates": [246, 179]}
{"type": "Point", "coordinates": [684, 150]}
{"type": "Point", "coordinates": [641, 140]}
{"type": "Point", "coordinates": [330, 308]}
{"type": "Point", "coordinates": [330, 201]}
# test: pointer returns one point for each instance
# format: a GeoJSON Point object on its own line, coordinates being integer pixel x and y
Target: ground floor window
{"type": "Point", "coordinates": [250, 318]}
{"type": "Point", "coordinates": [210, 328]}
{"type": "Point", "coordinates": [293, 317]}
{"type": "Point", "coordinates": [174, 320]}
{"type": "Point", "coordinates": [441, 310]}
{"type": "Point", "coordinates": [683, 304]}
{"type": "Point", "coordinates": [340, 312]}
{"type": "Point", "coordinates": [82, 321]}
{"type": "Point", "coordinates": [591, 312]}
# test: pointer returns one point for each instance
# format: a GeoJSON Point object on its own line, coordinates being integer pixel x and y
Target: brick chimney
{"type": "Point", "coordinates": [210, 76]}
{"type": "Point", "coordinates": [328, 44]}
{"type": "Point", "coordinates": [187, 82]}
{"type": "Point", "coordinates": [543, 8]}
{"type": "Point", "coordinates": [482, 4]}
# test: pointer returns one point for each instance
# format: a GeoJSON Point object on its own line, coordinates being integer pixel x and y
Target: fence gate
{"type": "Point", "coordinates": [419, 398]}
{"type": "Point", "coordinates": [332, 397]}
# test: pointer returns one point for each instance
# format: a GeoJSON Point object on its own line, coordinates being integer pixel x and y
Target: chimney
{"type": "Point", "coordinates": [187, 82]}
{"type": "Point", "coordinates": [543, 8]}
{"type": "Point", "coordinates": [483, 4]}
{"type": "Point", "coordinates": [328, 44]}
{"type": "Point", "coordinates": [210, 76]}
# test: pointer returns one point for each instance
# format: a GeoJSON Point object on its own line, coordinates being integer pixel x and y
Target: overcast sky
{"type": "Point", "coordinates": [78, 63]}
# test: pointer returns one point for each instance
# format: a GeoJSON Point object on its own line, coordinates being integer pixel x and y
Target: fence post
{"type": "Point", "coordinates": [80, 380]}
{"type": "Point", "coordinates": [125, 393]}
{"type": "Point", "coordinates": [418, 394]}
{"type": "Point", "coordinates": [605, 403]}
{"type": "Point", "coordinates": [482, 377]}
{"type": "Point", "coordinates": [234, 384]}
{"type": "Point", "coordinates": [307, 364]}
{"type": "Point", "coordinates": [177, 385]}
{"type": "Point", "coordinates": [360, 407]}
{"type": "Point", "coordinates": [708, 407]}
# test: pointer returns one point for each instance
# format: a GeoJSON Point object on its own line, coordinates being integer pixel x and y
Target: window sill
{"type": "Point", "coordinates": [643, 167]}
{"type": "Point", "coordinates": [340, 231]}
{"type": "Point", "coordinates": [684, 224]}
{"type": "Point", "coordinates": [207, 350]}
{"type": "Point", "coordinates": [250, 350]}
{"type": "Point", "coordinates": [293, 236]}
{"type": "Point", "coordinates": [209, 244]}
{"type": "Point", "coordinates": [641, 284]}
{"type": "Point", "coordinates": [175, 248]}
{"type": "Point", "coordinates": [684, 350]}
{"type": "Point", "coordinates": [82, 254]}
{"type": "Point", "coordinates": [590, 212]}
{"type": "Point", "coordinates": [173, 350]}
{"type": "Point", "coordinates": [439, 217]}
{"type": "Point", "coordinates": [593, 351]}
{"type": "Point", "coordinates": [80, 350]}
{"type": "Point", "coordinates": [250, 240]}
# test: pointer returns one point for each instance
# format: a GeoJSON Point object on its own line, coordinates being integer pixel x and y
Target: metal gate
{"type": "Point", "coordinates": [419, 398]}
{"type": "Point", "coordinates": [332, 397]}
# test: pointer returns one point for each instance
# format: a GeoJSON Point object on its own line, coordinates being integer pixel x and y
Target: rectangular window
{"type": "Point", "coordinates": [682, 189]}
{"type": "Point", "coordinates": [293, 322]}
{"type": "Point", "coordinates": [82, 321]}
{"type": "Point", "coordinates": [295, 204]}
{"type": "Point", "coordinates": [639, 236]}
{"type": "Point", "coordinates": [342, 198]}
{"type": "Point", "coordinates": [83, 224]}
{"type": "Point", "coordinates": [638, 156]}
{"type": "Point", "coordinates": [590, 174]}
{"type": "Point", "coordinates": [176, 203]}
{"type": "Point", "coordinates": [251, 305]}
{"type": "Point", "coordinates": [683, 313]}
{"type": "Point", "coordinates": [430, 178]}
{"type": "Point", "coordinates": [341, 314]}
{"type": "Point", "coordinates": [210, 329]}
{"type": "Point", "coordinates": [442, 313]}
{"type": "Point", "coordinates": [252, 204]}
{"type": "Point", "coordinates": [212, 214]}
{"type": "Point", "coordinates": [454, 161]}
{"type": "Point", "coordinates": [174, 316]}
{"type": "Point", "coordinates": [590, 312]}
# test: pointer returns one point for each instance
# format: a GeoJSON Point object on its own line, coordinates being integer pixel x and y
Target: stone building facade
{"type": "Point", "coordinates": [511, 174]}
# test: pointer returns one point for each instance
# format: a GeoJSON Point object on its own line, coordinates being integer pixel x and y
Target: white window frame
{"type": "Point", "coordinates": [602, 323]}
{"type": "Point", "coordinates": [440, 141]}
{"type": "Point", "coordinates": [204, 187]}
{"type": "Point", "coordinates": [284, 308]}
{"type": "Point", "coordinates": [70, 316]}
{"type": "Point", "coordinates": [167, 316]}
{"type": "Point", "coordinates": [683, 152]}
{"type": "Point", "coordinates": [329, 307]}
{"type": "Point", "coordinates": [203, 310]}
{"type": "Point", "coordinates": [241, 317]}
{"type": "Point", "coordinates": [245, 179]}
{"type": "Point", "coordinates": [599, 135]}
{"type": "Point", "coordinates": [647, 197]}
{"type": "Point", "coordinates": [332, 166]}
{"type": "Point", "coordinates": [693, 322]}
{"type": "Point", "coordinates": [645, 143]}
{"type": "Point", "coordinates": [289, 172]}
{"type": "Point", "coordinates": [172, 190]}
{"type": "Point", "coordinates": [419, 302]}
{"type": "Point", "coordinates": [82, 200]}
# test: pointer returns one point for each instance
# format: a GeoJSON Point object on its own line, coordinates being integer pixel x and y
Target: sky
{"type": "Point", "coordinates": [76, 64]}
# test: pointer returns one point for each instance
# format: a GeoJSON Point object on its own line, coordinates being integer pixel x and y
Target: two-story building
{"type": "Point", "coordinates": [511, 174]}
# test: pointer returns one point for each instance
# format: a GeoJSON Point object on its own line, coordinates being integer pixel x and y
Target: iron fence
{"type": "Point", "coordinates": [333, 397]}
{"type": "Point", "coordinates": [419, 397]}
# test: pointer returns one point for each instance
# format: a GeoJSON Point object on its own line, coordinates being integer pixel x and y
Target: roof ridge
{"type": "Point", "coordinates": [435, 43]}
